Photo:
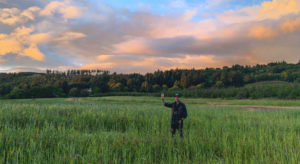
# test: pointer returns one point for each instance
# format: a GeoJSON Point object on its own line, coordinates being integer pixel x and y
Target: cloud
{"type": "Point", "coordinates": [104, 58]}
{"type": "Point", "coordinates": [70, 36]}
{"type": "Point", "coordinates": [52, 7]}
{"type": "Point", "coordinates": [123, 40]}
{"type": "Point", "coordinates": [24, 42]}
{"type": "Point", "coordinates": [274, 9]}
{"type": "Point", "coordinates": [9, 45]}
{"type": "Point", "coordinates": [169, 42]}
{"type": "Point", "coordinates": [290, 25]}
{"type": "Point", "coordinates": [104, 66]}
{"type": "Point", "coordinates": [33, 52]}
{"type": "Point", "coordinates": [133, 46]}
{"type": "Point", "coordinates": [8, 16]}
{"type": "Point", "coordinates": [3, 1]}
{"type": "Point", "coordinates": [196, 61]}
{"type": "Point", "coordinates": [262, 32]}
{"type": "Point", "coordinates": [189, 14]}
{"type": "Point", "coordinates": [173, 27]}
{"type": "Point", "coordinates": [62, 7]}
{"type": "Point", "coordinates": [72, 12]}
{"type": "Point", "coordinates": [277, 8]}
{"type": "Point", "coordinates": [283, 26]}
{"type": "Point", "coordinates": [13, 16]}
{"type": "Point", "coordinates": [21, 69]}
{"type": "Point", "coordinates": [30, 12]}
{"type": "Point", "coordinates": [124, 65]}
{"type": "Point", "coordinates": [17, 43]}
{"type": "Point", "coordinates": [40, 38]}
{"type": "Point", "coordinates": [139, 65]}
{"type": "Point", "coordinates": [22, 32]}
{"type": "Point", "coordinates": [246, 14]}
{"type": "Point", "coordinates": [2, 61]}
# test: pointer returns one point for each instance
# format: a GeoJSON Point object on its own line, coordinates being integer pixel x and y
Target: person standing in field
{"type": "Point", "coordinates": [179, 113]}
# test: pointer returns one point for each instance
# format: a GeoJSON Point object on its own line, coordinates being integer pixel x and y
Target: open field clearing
{"type": "Point", "coordinates": [137, 130]}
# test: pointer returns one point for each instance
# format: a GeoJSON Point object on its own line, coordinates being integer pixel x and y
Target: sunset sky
{"type": "Point", "coordinates": [142, 36]}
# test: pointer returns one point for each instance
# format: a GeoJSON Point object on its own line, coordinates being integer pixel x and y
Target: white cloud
{"type": "Point", "coordinates": [189, 14]}
{"type": "Point", "coordinates": [246, 14]}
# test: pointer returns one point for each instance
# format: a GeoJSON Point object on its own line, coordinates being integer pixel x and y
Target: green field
{"type": "Point", "coordinates": [137, 130]}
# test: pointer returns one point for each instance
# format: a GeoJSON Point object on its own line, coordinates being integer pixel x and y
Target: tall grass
{"type": "Point", "coordinates": [122, 130]}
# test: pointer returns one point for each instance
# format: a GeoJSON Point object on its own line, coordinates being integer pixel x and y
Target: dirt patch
{"type": "Point", "coordinates": [218, 103]}
{"type": "Point", "coordinates": [250, 109]}
{"type": "Point", "coordinates": [75, 99]}
{"type": "Point", "coordinates": [266, 108]}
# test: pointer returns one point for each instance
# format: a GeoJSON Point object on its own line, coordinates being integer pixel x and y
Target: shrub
{"type": "Point", "coordinates": [74, 92]}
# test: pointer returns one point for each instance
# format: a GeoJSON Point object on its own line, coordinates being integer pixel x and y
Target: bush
{"type": "Point", "coordinates": [243, 94]}
{"type": "Point", "coordinates": [156, 88]}
{"type": "Point", "coordinates": [18, 93]}
{"type": "Point", "coordinates": [84, 93]}
{"type": "Point", "coordinates": [74, 92]}
{"type": "Point", "coordinates": [165, 87]}
{"type": "Point", "coordinates": [46, 92]}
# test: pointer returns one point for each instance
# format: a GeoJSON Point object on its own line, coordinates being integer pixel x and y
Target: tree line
{"type": "Point", "coordinates": [81, 83]}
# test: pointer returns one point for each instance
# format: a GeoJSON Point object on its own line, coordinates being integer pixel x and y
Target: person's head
{"type": "Point", "coordinates": [177, 97]}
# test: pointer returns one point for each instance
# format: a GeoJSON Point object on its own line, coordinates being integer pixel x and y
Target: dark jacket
{"type": "Point", "coordinates": [178, 112]}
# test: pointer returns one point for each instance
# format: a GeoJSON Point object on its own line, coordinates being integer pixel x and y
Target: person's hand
{"type": "Point", "coordinates": [180, 121]}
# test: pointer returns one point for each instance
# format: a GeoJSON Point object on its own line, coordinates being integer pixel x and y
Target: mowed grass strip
{"type": "Point", "coordinates": [137, 130]}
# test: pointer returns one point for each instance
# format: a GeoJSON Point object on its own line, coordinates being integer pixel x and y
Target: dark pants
{"type": "Point", "coordinates": [178, 127]}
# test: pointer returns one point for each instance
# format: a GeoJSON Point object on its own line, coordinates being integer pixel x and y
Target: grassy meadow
{"type": "Point", "coordinates": [137, 130]}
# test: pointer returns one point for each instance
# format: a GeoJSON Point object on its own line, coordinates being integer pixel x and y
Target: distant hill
{"type": "Point", "coordinates": [76, 83]}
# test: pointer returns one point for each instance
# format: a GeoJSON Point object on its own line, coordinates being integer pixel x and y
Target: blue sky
{"type": "Point", "coordinates": [205, 8]}
{"type": "Point", "coordinates": [161, 7]}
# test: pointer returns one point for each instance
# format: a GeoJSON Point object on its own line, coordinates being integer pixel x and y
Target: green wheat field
{"type": "Point", "coordinates": [137, 130]}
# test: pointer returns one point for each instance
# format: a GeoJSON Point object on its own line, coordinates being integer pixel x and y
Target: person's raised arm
{"type": "Point", "coordinates": [166, 104]}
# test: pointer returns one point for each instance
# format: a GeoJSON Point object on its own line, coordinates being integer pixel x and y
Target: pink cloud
{"type": "Point", "coordinates": [277, 8]}
{"type": "Point", "coordinates": [133, 46]}
{"type": "Point", "coordinates": [33, 52]}
{"type": "Point", "coordinates": [262, 32]}
{"type": "Point", "coordinates": [64, 8]}
{"type": "Point", "coordinates": [290, 25]}
{"type": "Point", "coordinates": [13, 16]}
